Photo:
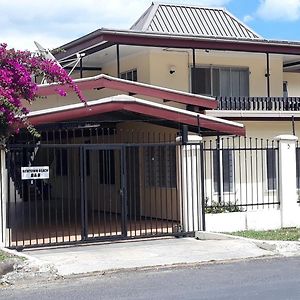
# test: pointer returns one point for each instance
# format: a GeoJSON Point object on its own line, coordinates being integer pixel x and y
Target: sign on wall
{"type": "Point", "coordinates": [41, 172]}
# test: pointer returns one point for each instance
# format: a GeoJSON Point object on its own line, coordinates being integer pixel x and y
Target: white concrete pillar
{"type": "Point", "coordinates": [3, 198]}
{"type": "Point", "coordinates": [189, 183]}
{"type": "Point", "coordinates": [287, 180]}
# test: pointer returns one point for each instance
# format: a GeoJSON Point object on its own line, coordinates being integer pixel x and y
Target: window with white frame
{"type": "Point", "coordinates": [271, 169]}
{"type": "Point", "coordinates": [129, 75]}
{"type": "Point", "coordinates": [223, 171]}
{"type": "Point", "coordinates": [160, 166]}
{"type": "Point", "coordinates": [220, 81]}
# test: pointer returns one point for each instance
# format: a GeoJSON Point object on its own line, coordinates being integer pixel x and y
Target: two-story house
{"type": "Point", "coordinates": [115, 169]}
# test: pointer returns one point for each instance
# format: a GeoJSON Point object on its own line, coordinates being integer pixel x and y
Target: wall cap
{"type": "Point", "coordinates": [191, 139]}
{"type": "Point", "coordinates": [286, 137]}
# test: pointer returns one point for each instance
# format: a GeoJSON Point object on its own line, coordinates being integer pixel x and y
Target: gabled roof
{"type": "Point", "coordinates": [144, 108]}
{"type": "Point", "coordinates": [131, 87]}
{"type": "Point", "coordinates": [192, 20]}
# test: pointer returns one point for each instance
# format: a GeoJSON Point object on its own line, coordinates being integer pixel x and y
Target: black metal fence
{"type": "Point", "coordinates": [111, 183]}
{"type": "Point", "coordinates": [259, 103]}
{"type": "Point", "coordinates": [240, 174]}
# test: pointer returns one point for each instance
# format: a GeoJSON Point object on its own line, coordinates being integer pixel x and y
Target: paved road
{"type": "Point", "coordinates": [261, 279]}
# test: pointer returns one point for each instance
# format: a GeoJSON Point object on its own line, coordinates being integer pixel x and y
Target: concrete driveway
{"type": "Point", "coordinates": [144, 254]}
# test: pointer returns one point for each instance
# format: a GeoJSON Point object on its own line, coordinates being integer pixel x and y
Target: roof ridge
{"type": "Point", "coordinates": [193, 20]}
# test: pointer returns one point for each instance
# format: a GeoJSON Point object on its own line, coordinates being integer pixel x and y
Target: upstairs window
{"type": "Point", "coordinates": [129, 75]}
{"type": "Point", "coordinates": [220, 81]}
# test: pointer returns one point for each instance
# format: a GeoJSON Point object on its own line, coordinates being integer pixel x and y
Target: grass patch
{"type": "Point", "coordinates": [4, 256]}
{"type": "Point", "coordinates": [286, 234]}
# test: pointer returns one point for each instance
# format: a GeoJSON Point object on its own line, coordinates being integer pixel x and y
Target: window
{"type": "Point", "coordinates": [220, 81]}
{"type": "Point", "coordinates": [223, 170]}
{"type": "Point", "coordinates": [271, 169]}
{"type": "Point", "coordinates": [160, 166]}
{"type": "Point", "coordinates": [107, 167]}
{"type": "Point", "coordinates": [130, 75]}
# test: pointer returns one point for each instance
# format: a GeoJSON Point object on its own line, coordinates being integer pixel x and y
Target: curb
{"type": "Point", "coordinates": [268, 245]}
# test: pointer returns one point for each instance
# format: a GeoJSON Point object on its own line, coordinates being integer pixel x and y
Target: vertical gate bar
{"type": "Point", "coordinates": [68, 183]}
{"type": "Point", "coordinates": [116, 194]}
{"type": "Point", "coordinates": [274, 172]}
{"type": "Point", "coordinates": [251, 170]}
{"type": "Point", "coordinates": [211, 170]}
{"type": "Point", "coordinates": [62, 186]}
{"type": "Point", "coordinates": [171, 187]}
{"type": "Point", "coordinates": [240, 171]}
{"type": "Point", "coordinates": [233, 139]}
{"type": "Point", "coordinates": [151, 182]}
{"type": "Point", "coordinates": [56, 151]}
{"type": "Point", "coordinates": [103, 167]}
{"type": "Point", "coordinates": [256, 167]}
{"type": "Point", "coordinates": [246, 171]}
{"type": "Point", "coordinates": [48, 192]}
{"type": "Point", "coordinates": [162, 167]}
{"type": "Point", "coordinates": [186, 184]}
{"type": "Point", "coordinates": [181, 187]}
{"type": "Point", "coordinates": [98, 187]}
{"type": "Point", "coordinates": [43, 211]}
{"type": "Point", "coordinates": [218, 170]}
{"type": "Point", "coordinates": [15, 200]}
{"type": "Point", "coordinates": [130, 187]}
{"type": "Point", "coordinates": [76, 155]}
{"type": "Point", "coordinates": [23, 201]}
{"type": "Point", "coordinates": [157, 187]}
{"type": "Point", "coordinates": [36, 211]}
{"type": "Point", "coordinates": [135, 185]}
{"type": "Point", "coordinates": [229, 183]}
{"type": "Point", "coordinates": [29, 199]}
{"type": "Point", "coordinates": [68, 189]}
{"type": "Point", "coordinates": [110, 194]}
{"type": "Point", "coordinates": [145, 176]}
{"type": "Point", "coordinates": [191, 148]}
{"type": "Point", "coordinates": [262, 172]}
{"type": "Point", "coordinates": [202, 174]}
{"type": "Point", "coordinates": [267, 178]}
{"type": "Point", "coordinates": [8, 208]}
{"type": "Point", "coordinates": [198, 168]}
{"type": "Point", "coordinates": [82, 191]}
{"type": "Point", "coordinates": [124, 190]}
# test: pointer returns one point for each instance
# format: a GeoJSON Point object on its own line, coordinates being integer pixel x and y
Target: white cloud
{"type": "Point", "coordinates": [55, 22]}
{"type": "Point", "coordinates": [248, 18]}
{"type": "Point", "coordinates": [285, 10]}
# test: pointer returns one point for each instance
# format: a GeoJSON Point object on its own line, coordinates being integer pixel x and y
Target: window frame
{"type": "Point", "coordinates": [125, 75]}
{"type": "Point", "coordinates": [231, 184]}
{"type": "Point", "coordinates": [219, 67]}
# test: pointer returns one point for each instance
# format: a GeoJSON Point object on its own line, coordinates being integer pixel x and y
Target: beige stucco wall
{"type": "Point", "coordinates": [293, 80]}
{"type": "Point", "coordinates": [160, 62]}
{"type": "Point", "coordinates": [270, 128]}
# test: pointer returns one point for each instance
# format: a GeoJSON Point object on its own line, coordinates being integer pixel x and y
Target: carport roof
{"type": "Point", "coordinates": [127, 104]}
{"type": "Point", "coordinates": [133, 88]}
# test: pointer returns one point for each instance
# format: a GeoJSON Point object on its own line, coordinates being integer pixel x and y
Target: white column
{"type": "Point", "coordinates": [189, 183]}
{"type": "Point", "coordinates": [3, 198]}
{"type": "Point", "coordinates": [287, 180]}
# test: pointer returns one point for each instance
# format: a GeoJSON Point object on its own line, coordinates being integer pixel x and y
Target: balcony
{"type": "Point", "coordinates": [259, 103]}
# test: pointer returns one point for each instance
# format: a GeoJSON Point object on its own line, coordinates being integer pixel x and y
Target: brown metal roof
{"type": "Point", "coordinates": [192, 20]}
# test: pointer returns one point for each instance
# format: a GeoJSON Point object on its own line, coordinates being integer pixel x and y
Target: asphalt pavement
{"type": "Point", "coordinates": [272, 278]}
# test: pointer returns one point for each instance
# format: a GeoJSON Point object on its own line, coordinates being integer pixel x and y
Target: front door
{"type": "Point", "coordinates": [103, 205]}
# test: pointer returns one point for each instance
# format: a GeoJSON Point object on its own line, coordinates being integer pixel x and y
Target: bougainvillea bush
{"type": "Point", "coordinates": [17, 88]}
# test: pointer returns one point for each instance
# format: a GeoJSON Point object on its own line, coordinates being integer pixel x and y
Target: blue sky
{"type": "Point", "coordinates": [54, 23]}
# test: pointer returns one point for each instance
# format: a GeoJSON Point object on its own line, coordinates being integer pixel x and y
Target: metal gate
{"type": "Point", "coordinates": [94, 192]}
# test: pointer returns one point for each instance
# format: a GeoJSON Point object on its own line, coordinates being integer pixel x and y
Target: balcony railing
{"type": "Point", "coordinates": [259, 103]}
